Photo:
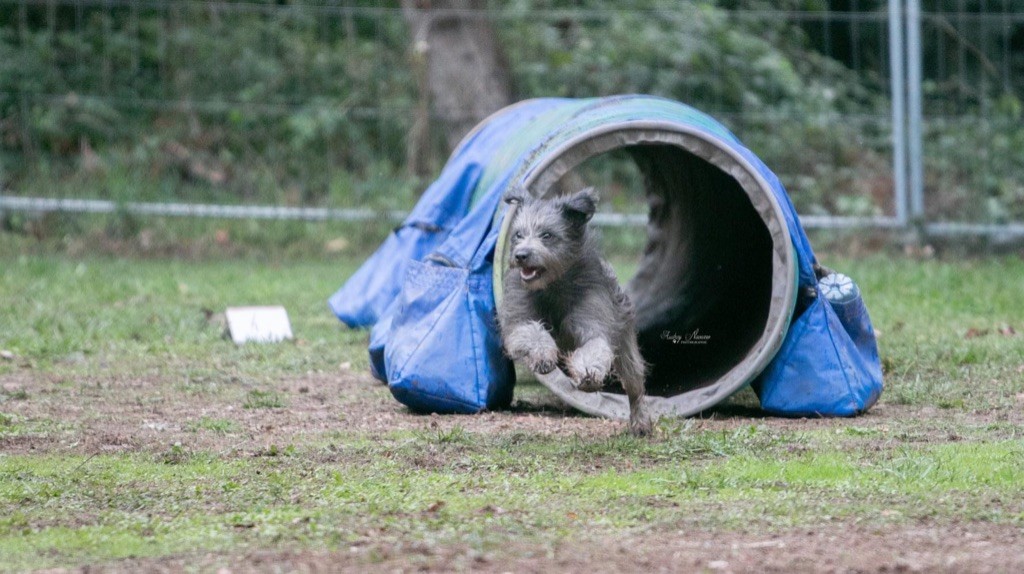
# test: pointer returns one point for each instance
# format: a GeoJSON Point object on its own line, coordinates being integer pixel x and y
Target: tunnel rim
{"type": "Point", "coordinates": [558, 161]}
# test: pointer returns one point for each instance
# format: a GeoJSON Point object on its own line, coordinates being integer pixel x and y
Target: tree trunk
{"type": "Point", "coordinates": [466, 78]}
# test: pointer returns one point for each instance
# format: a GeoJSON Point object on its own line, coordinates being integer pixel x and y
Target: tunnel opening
{"type": "Point", "coordinates": [714, 280]}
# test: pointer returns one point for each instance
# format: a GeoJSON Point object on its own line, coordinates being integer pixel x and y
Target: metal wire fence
{"type": "Point", "coordinates": [882, 114]}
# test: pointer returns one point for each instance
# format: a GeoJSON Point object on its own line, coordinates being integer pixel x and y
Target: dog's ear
{"type": "Point", "coordinates": [580, 206]}
{"type": "Point", "coordinates": [515, 196]}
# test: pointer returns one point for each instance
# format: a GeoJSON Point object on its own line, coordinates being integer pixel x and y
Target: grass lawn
{"type": "Point", "coordinates": [134, 436]}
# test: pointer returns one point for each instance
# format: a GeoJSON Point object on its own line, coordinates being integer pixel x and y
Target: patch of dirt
{"type": "Point", "coordinates": [153, 413]}
{"type": "Point", "coordinates": [119, 413]}
{"type": "Point", "coordinates": [21, 444]}
{"type": "Point", "coordinates": [840, 548]}
{"type": "Point", "coordinates": [106, 415]}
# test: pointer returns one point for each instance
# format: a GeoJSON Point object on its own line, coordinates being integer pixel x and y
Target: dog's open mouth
{"type": "Point", "coordinates": [530, 273]}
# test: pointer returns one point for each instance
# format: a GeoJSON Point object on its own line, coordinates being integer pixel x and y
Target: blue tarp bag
{"type": "Point", "coordinates": [828, 364]}
{"type": "Point", "coordinates": [443, 350]}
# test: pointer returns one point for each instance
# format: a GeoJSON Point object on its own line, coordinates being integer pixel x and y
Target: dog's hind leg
{"type": "Point", "coordinates": [533, 343]}
{"type": "Point", "coordinates": [630, 370]}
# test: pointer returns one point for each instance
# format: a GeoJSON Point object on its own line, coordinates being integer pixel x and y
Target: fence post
{"type": "Point", "coordinates": [914, 112]}
{"type": "Point", "coordinates": [899, 121]}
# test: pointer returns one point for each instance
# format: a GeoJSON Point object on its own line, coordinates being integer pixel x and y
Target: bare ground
{"type": "Point", "coordinates": [120, 414]}
{"type": "Point", "coordinates": [840, 548]}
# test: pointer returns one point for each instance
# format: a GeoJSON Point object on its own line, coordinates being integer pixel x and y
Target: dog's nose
{"type": "Point", "coordinates": [522, 254]}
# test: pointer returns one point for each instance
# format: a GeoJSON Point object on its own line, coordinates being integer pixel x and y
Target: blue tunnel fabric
{"type": "Point", "coordinates": [428, 291]}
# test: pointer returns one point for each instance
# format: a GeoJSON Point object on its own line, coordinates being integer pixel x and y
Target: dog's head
{"type": "Point", "coordinates": [547, 235]}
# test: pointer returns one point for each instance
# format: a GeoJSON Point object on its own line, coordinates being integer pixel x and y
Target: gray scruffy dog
{"type": "Point", "coordinates": [562, 303]}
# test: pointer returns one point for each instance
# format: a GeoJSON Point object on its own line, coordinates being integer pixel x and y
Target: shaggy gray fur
{"type": "Point", "coordinates": [563, 306]}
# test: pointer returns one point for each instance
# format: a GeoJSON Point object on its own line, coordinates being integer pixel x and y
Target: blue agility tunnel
{"type": "Point", "coordinates": [727, 291]}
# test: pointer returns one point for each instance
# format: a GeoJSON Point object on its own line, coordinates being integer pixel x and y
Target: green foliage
{"type": "Point", "coordinates": [302, 103]}
{"type": "Point", "coordinates": [223, 101]}
{"type": "Point", "coordinates": [985, 185]}
{"type": "Point", "coordinates": [696, 51]}
{"type": "Point", "coordinates": [755, 70]}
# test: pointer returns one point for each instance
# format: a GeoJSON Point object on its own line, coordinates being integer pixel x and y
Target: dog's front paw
{"type": "Point", "coordinates": [589, 365]}
{"type": "Point", "coordinates": [543, 361]}
{"type": "Point", "coordinates": [589, 381]}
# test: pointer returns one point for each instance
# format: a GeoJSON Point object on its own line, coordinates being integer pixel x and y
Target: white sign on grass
{"type": "Point", "coordinates": [258, 324]}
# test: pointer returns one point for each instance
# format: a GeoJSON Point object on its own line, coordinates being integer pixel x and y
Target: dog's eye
{"type": "Point", "coordinates": [517, 236]}
{"type": "Point", "coordinates": [545, 235]}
